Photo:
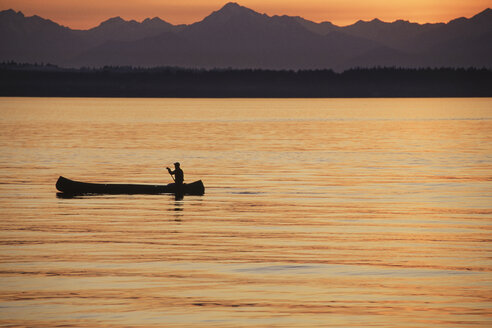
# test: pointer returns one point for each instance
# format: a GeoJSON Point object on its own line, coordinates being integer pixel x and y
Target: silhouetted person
{"type": "Point", "coordinates": [178, 177]}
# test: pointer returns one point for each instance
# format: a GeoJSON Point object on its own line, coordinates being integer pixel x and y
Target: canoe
{"type": "Point", "coordinates": [72, 187]}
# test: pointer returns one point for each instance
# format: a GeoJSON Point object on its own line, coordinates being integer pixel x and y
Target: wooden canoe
{"type": "Point", "coordinates": [72, 187]}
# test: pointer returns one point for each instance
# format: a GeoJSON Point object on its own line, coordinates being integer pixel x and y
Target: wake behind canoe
{"type": "Point", "coordinates": [75, 187]}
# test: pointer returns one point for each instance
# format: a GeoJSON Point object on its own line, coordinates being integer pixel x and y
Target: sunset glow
{"type": "Point", "coordinates": [84, 14]}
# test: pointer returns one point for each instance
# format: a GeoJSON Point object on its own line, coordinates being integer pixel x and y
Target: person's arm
{"type": "Point", "coordinates": [171, 172]}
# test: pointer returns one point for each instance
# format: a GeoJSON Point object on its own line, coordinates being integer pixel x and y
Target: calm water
{"type": "Point", "coordinates": [341, 213]}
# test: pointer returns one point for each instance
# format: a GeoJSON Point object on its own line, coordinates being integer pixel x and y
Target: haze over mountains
{"type": "Point", "coordinates": [238, 37]}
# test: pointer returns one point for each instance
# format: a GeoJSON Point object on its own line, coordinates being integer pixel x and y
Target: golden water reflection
{"type": "Point", "coordinates": [344, 213]}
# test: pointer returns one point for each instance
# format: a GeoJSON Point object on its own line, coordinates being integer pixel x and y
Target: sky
{"type": "Point", "coordinates": [84, 14]}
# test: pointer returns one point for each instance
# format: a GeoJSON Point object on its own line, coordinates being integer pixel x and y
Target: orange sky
{"type": "Point", "coordinates": [84, 14]}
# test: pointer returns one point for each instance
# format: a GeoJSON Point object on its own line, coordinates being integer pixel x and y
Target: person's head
{"type": "Point", "coordinates": [176, 165]}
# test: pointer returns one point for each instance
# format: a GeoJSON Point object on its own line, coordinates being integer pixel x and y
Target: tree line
{"type": "Point", "coordinates": [46, 80]}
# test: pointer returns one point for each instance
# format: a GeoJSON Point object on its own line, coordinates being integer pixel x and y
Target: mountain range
{"type": "Point", "coordinates": [238, 37]}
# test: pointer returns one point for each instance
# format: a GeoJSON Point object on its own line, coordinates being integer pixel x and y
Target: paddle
{"type": "Point", "coordinates": [169, 171]}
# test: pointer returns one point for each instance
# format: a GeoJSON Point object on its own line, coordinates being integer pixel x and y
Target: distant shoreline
{"type": "Point", "coordinates": [31, 80]}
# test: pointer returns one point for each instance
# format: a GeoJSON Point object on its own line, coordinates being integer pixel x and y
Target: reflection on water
{"type": "Point", "coordinates": [317, 213]}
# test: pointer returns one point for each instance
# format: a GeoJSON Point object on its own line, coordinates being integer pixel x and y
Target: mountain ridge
{"type": "Point", "coordinates": [239, 37]}
{"type": "Point", "coordinates": [487, 12]}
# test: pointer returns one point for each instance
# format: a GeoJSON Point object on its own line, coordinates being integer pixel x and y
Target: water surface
{"type": "Point", "coordinates": [336, 212]}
